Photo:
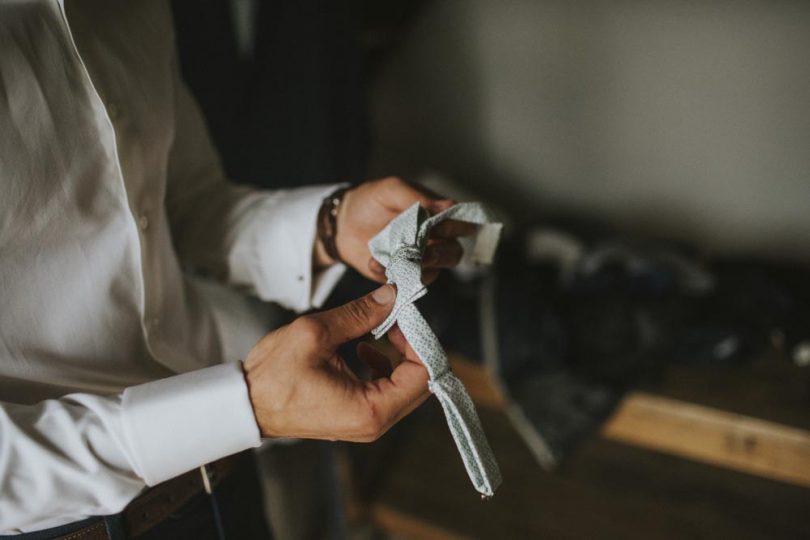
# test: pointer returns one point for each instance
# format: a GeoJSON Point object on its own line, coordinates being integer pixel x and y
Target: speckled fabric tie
{"type": "Point", "coordinates": [399, 247]}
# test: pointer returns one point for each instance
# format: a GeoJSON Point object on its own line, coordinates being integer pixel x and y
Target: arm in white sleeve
{"type": "Point", "coordinates": [258, 240]}
{"type": "Point", "coordinates": [86, 455]}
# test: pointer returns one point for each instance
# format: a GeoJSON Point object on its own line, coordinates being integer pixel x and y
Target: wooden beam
{"type": "Point", "coordinates": [707, 435]}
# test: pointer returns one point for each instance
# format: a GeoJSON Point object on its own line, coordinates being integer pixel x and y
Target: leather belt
{"type": "Point", "coordinates": [159, 502]}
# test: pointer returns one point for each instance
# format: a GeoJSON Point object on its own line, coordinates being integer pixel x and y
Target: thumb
{"type": "Point", "coordinates": [358, 317]}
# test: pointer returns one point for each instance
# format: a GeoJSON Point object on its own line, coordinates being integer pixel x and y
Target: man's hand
{"type": "Point", "coordinates": [367, 209]}
{"type": "Point", "coordinates": [300, 387]}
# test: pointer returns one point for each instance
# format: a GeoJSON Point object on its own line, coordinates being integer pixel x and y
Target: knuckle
{"type": "Point", "coordinates": [311, 329]}
{"type": "Point", "coordinates": [430, 276]}
{"type": "Point", "coordinates": [444, 253]}
{"type": "Point", "coordinates": [394, 181]}
{"type": "Point", "coordinates": [374, 424]}
{"type": "Point", "coordinates": [436, 254]}
{"type": "Point", "coordinates": [375, 266]}
{"type": "Point", "coordinates": [455, 250]}
{"type": "Point", "coordinates": [370, 424]}
{"type": "Point", "coordinates": [357, 311]}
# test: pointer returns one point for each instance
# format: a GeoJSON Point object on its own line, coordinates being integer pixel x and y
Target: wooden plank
{"type": "Point", "coordinates": [626, 490]}
{"type": "Point", "coordinates": [683, 429]}
{"type": "Point", "coordinates": [720, 438]}
{"type": "Point", "coordinates": [770, 388]}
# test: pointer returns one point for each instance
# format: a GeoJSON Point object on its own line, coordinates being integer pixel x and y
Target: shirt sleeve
{"type": "Point", "coordinates": [108, 448]}
{"type": "Point", "coordinates": [261, 241]}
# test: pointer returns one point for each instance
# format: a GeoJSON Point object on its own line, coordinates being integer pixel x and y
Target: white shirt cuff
{"type": "Point", "coordinates": [179, 423]}
{"type": "Point", "coordinates": [324, 281]}
{"type": "Point", "coordinates": [278, 262]}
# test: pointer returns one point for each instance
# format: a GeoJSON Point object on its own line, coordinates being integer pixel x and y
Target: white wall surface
{"type": "Point", "coordinates": [681, 119]}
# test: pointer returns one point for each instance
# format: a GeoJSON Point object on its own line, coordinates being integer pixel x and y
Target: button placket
{"type": "Point", "coordinates": [152, 321]}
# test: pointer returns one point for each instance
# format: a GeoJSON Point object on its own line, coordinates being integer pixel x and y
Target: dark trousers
{"type": "Point", "coordinates": [234, 511]}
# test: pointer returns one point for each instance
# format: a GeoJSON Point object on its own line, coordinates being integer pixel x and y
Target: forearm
{"type": "Point", "coordinates": [77, 441]}
{"type": "Point", "coordinates": [102, 451]}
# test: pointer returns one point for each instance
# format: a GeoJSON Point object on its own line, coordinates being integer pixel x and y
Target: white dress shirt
{"type": "Point", "coordinates": [111, 370]}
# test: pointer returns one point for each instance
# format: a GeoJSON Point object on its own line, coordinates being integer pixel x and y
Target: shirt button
{"type": "Point", "coordinates": [112, 111]}
{"type": "Point", "coordinates": [143, 222]}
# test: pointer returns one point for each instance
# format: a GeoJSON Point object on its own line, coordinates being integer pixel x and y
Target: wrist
{"type": "Point", "coordinates": [257, 394]}
{"type": "Point", "coordinates": [325, 252]}
{"type": "Point", "coordinates": [320, 257]}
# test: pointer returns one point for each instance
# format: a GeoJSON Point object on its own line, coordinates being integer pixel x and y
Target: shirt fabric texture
{"type": "Point", "coordinates": [112, 371]}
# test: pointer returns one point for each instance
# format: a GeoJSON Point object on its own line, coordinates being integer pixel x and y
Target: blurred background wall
{"type": "Point", "coordinates": [680, 119]}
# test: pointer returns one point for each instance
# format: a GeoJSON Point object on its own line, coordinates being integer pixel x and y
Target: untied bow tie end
{"type": "Point", "coordinates": [399, 248]}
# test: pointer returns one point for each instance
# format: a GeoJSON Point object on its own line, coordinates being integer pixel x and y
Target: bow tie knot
{"type": "Point", "coordinates": [405, 271]}
{"type": "Point", "coordinates": [408, 253]}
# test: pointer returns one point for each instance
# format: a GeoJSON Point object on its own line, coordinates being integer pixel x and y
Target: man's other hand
{"type": "Point", "coordinates": [300, 387]}
{"type": "Point", "coordinates": [367, 209]}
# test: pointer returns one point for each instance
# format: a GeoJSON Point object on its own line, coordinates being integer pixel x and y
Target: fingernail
{"type": "Point", "coordinates": [384, 295]}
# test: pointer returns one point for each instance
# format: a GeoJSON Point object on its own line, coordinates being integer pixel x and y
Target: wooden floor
{"type": "Point", "coordinates": [413, 485]}
{"type": "Point", "coordinates": [606, 490]}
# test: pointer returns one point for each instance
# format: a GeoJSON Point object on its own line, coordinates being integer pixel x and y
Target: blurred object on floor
{"type": "Point", "coordinates": [570, 323]}
{"type": "Point", "coordinates": [573, 323]}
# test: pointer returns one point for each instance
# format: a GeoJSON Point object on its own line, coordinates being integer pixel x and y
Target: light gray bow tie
{"type": "Point", "coordinates": [399, 247]}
